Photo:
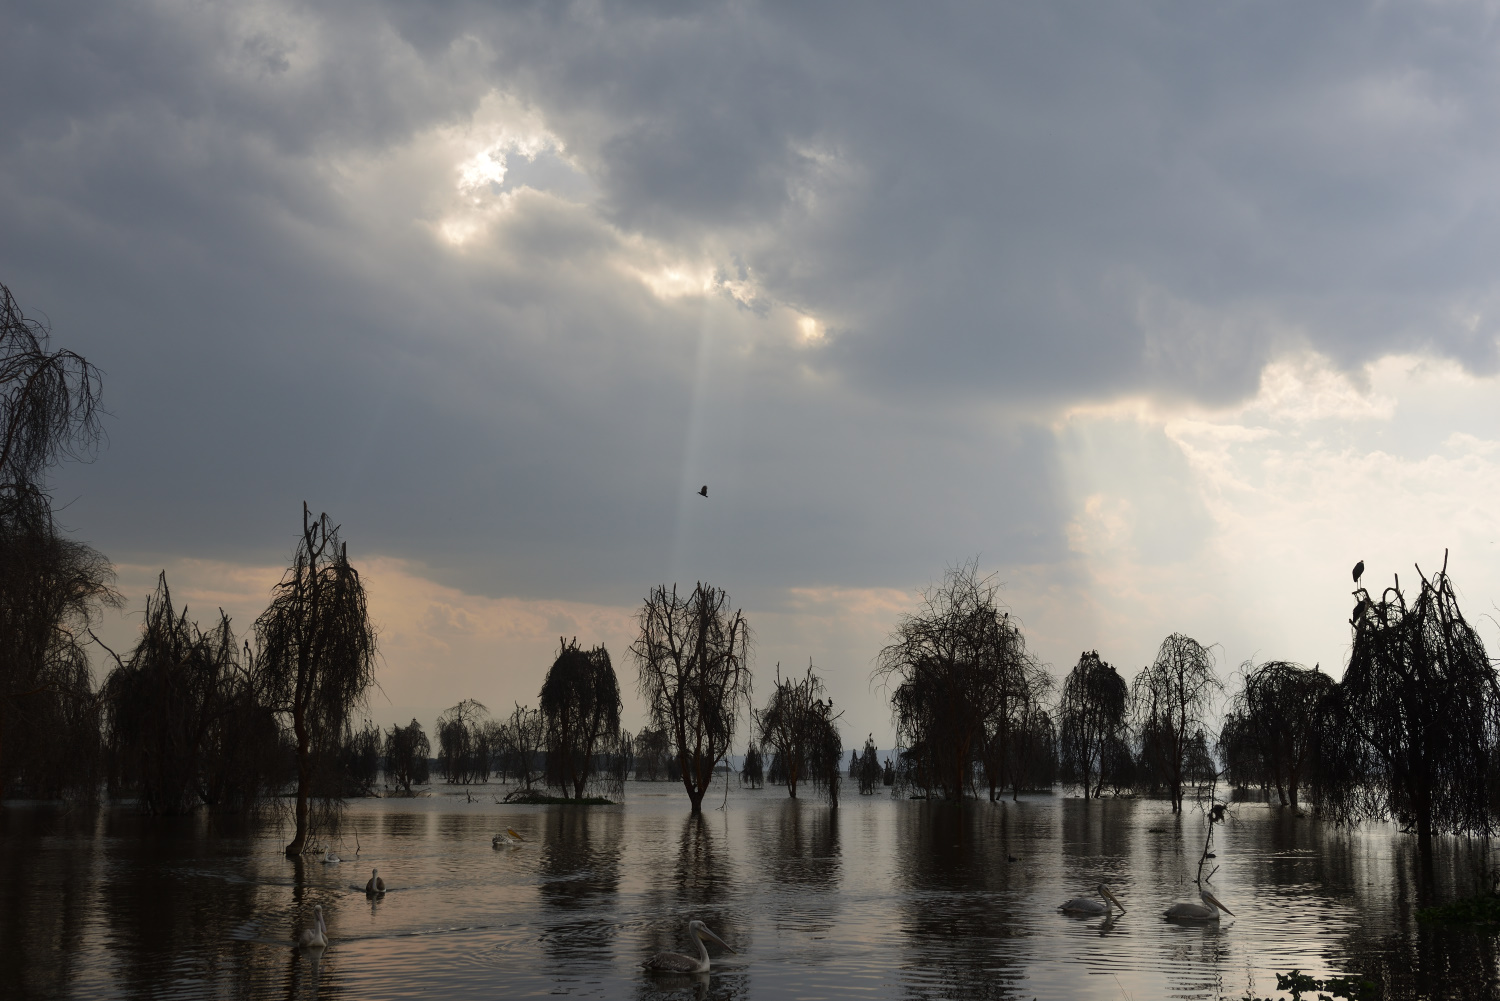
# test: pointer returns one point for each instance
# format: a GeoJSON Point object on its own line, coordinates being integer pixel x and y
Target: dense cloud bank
{"type": "Point", "coordinates": [499, 287]}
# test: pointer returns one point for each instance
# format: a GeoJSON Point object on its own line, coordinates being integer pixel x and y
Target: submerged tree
{"type": "Point", "coordinates": [1270, 734]}
{"type": "Point", "coordinates": [317, 651]}
{"type": "Point", "coordinates": [1412, 729]}
{"type": "Point", "coordinates": [182, 719]}
{"type": "Point", "coordinates": [799, 726]}
{"type": "Point", "coordinates": [1033, 755]}
{"type": "Point", "coordinates": [464, 734]}
{"type": "Point", "coordinates": [406, 752]}
{"type": "Point", "coordinates": [1091, 715]}
{"type": "Point", "coordinates": [1173, 698]}
{"type": "Point", "coordinates": [753, 772]}
{"type": "Point", "coordinates": [652, 748]}
{"type": "Point", "coordinates": [868, 773]}
{"type": "Point", "coordinates": [580, 701]}
{"type": "Point", "coordinates": [521, 740]}
{"type": "Point", "coordinates": [960, 677]}
{"type": "Point", "coordinates": [693, 654]}
{"type": "Point", "coordinates": [50, 586]}
{"type": "Point", "coordinates": [361, 759]}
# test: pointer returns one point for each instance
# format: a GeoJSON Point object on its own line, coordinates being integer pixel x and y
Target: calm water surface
{"type": "Point", "coordinates": [879, 899]}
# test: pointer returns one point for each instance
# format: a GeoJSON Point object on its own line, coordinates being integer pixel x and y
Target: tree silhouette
{"type": "Point", "coordinates": [521, 741]}
{"type": "Point", "coordinates": [753, 773]}
{"type": "Point", "coordinates": [1270, 734]}
{"type": "Point", "coordinates": [316, 651]}
{"type": "Point", "coordinates": [868, 773]}
{"type": "Point", "coordinates": [1172, 700]}
{"type": "Point", "coordinates": [959, 676]}
{"type": "Point", "coordinates": [1092, 713]}
{"type": "Point", "coordinates": [1412, 729]}
{"type": "Point", "coordinates": [693, 655]}
{"type": "Point", "coordinates": [580, 701]}
{"type": "Point", "coordinates": [652, 748]}
{"type": "Point", "coordinates": [463, 734]}
{"type": "Point", "coordinates": [49, 586]}
{"type": "Point", "coordinates": [182, 718]}
{"type": "Point", "coordinates": [799, 726]}
{"type": "Point", "coordinates": [406, 752]}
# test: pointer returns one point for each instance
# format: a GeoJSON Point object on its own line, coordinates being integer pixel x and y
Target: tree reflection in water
{"type": "Point", "coordinates": [701, 886]}
{"type": "Point", "coordinates": [956, 914]}
{"type": "Point", "coordinates": [44, 911]}
{"type": "Point", "coordinates": [579, 872]}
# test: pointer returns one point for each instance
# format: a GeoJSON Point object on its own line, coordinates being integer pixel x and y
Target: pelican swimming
{"type": "Point", "coordinates": [1090, 906]}
{"type": "Point", "coordinates": [508, 839]}
{"type": "Point", "coordinates": [1206, 911]}
{"type": "Point", "coordinates": [315, 937]}
{"type": "Point", "coordinates": [376, 884]}
{"type": "Point", "coordinates": [330, 858]}
{"type": "Point", "coordinates": [676, 962]}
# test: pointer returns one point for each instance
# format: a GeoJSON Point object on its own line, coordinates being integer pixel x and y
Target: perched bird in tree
{"type": "Point", "coordinates": [1359, 571]}
{"type": "Point", "coordinates": [703, 490]}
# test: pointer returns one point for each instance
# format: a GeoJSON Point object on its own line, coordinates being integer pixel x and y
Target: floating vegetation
{"type": "Point", "coordinates": [530, 797]}
{"type": "Point", "coordinates": [1483, 909]}
{"type": "Point", "coordinates": [1330, 989]}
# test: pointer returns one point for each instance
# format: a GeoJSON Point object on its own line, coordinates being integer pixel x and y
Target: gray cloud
{"type": "Point", "coordinates": [996, 212]}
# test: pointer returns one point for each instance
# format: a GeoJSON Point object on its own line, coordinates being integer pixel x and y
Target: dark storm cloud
{"type": "Point", "coordinates": [997, 211]}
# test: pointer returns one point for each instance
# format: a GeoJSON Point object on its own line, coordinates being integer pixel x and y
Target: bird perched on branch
{"type": "Point", "coordinates": [1359, 571]}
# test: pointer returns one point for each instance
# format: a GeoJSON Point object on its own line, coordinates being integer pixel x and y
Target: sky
{"type": "Point", "coordinates": [1165, 313]}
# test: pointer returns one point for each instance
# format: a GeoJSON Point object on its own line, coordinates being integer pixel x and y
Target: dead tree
{"type": "Point", "coordinates": [316, 651]}
{"type": "Point", "coordinates": [1172, 701]}
{"type": "Point", "coordinates": [463, 744]}
{"type": "Point", "coordinates": [693, 654]}
{"type": "Point", "coordinates": [406, 752]}
{"type": "Point", "coordinates": [1412, 729]}
{"type": "Point", "coordinates": [1270, 734]}
{"type": "Point", "coordinates": [1091, 714]}
{"type": "Point", "coordinates": [799, 726]}
{"type": "Point", "coordinates": [524, 735]}
{"type": "Point", "coordinates": [580, 702]}
{"type": "Point", "coordinates": [958, 673]}
{"type": "Point", "coordinates": [49, 586]}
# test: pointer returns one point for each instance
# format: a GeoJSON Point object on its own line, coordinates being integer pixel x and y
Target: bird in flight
{"type": "Point", "coordinates": [703, 490]}
{"type": "Point", "coordinates": [1359, 571]}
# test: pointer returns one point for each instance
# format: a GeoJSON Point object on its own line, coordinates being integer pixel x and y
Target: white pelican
{"type": "Point", "coordinates": [1206, 911]}
{"type": "Point", "coordinates": [509, 839]}
{"type": "Point", "coordinates": [376, 884]}
{"type": "Point", "coordinates": [1090, 906]}
{"type": "Point", "coordinates": [315, 937]}
{"type": "Point", "coordinates": [676, 962]}
{"type": "Point", "coordinates": [330, 858]}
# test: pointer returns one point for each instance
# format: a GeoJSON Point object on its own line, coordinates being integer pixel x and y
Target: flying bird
{"type": "Point", "coordinates": [1359, 571]}
{"type": "Point", "coordinates": [1090, 906]}
{"type": "Point", "coordinates": [703, 490]}
{"type": "Point", "coordinates": [676, 962]}
{"type": "Point", "coordinates": [376, 885]}
{"type": "Point", "coordinates": [1206, 911]}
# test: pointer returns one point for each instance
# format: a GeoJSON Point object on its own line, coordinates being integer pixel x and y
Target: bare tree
{"type": "Point", "coordinates": [1270, 733]}
{"type": "Point", "coordinates": [406, 752]}
{"type": "Point", "coordinates": [182, 720]}
{"type": "Point", "coordinates": [463, 742]}
{"type": "Point", "coordinates": [1412, 728]}
{"type": "Point", "coordinates": [799, 726]}
{"type": "Point", "coordinates": [958, 671]}
{"type": "Point", "coordinates": [580, 701]}
{"type": "Point", "coordinates": [524, 736]}
{"type": "Point", "coordinates": [316, 650]}
{"type": "Point", "coordinates": [1091, 714]}
{"type": "Point", "coordinates": [693, 654]}
{"type": "Point", "coordinates": [1172, 699]}
{"type": "Point", "coordinates": [753, 773]}
{"type": "Point", "coordinates": [49, 586]}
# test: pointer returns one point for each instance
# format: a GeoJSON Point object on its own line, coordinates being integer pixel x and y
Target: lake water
{"type": "Point", "coordinates": [881, 898]}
